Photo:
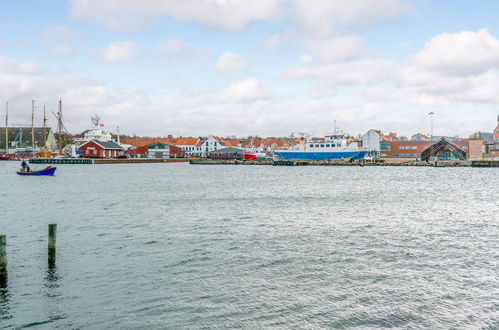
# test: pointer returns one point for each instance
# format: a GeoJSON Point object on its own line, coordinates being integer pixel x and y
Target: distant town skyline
{"type": "Point", "coordinates": [263, 67]}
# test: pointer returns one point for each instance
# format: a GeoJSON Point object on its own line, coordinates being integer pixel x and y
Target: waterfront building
{"type": "Point", "coordinates": [190, 146]}
{"type": "Point", "coordinates": [158, 150]}
{"type": "Point", "coordinates": [443, 150]}
{"type": "Point", "coordinates": [212, 143]}
{"type": "Point", "coordinates": [101, 149]}
{"type": "Point", "coordinates": [412, 149]}
{"type": "Point", "coordinates": [371, 141]}
{"type": "Point", "coordinates": [492, 149]}
{"type": "Point", "coordinates": [226, 153]}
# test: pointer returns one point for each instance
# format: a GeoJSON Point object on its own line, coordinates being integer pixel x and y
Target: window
{"type": "Point", "coordinates": [317, 146]}
{"type": "Point", "coordinates": [322, 146]}
{"type": "Point", "coordinates": [385, 146]}
{"type": "Point", "coordinates": [408, 147]}
{"type": "Point", "coordinates": [327, 145]}
{"type": "Point", "coordinates": [311, 146]}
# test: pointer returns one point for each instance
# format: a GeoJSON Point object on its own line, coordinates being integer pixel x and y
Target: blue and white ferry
{"type": "Point", "coordinates": [329, 147]}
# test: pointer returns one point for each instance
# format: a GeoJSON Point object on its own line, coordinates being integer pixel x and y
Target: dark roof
{"type": "Point", "coordinates": [24, 134]}
{"type": "Point", "coordinates": [105, 144]}
{"type": "Point", "coordinates": [230, 150]}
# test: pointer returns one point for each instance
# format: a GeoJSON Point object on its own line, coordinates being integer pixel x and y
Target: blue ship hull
{"type": "Point", "coordinates": [320, 155]}
{"type": "Point", "coordinates": [46, 171]}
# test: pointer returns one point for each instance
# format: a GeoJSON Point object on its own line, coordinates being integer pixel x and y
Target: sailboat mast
{"type": "Point", "coordinates": [33, 123]}
{"type": "Point", "coordinates": [60, 126]}
{"type": "Point", "coordinates": [6, 127]}
{"type": "Point", "coordinates": [118, 133]}
{"type": "Point", "coordinates": [44, 128]}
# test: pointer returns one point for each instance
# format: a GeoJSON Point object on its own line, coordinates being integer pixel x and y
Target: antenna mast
{"type": "Point", "coordinates": [33, 123]}
{"type": "Point", "coordinates": [6, 129]}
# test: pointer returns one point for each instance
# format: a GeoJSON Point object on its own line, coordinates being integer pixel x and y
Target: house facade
{"type": "Point", "coordinates": [101, 149]}
{"type": "Point", "coordinates": [371, 140]}
{"type": "Point", "coordinates": [190, 146]}
{"type": "Point", "coordinates": [212, 143]}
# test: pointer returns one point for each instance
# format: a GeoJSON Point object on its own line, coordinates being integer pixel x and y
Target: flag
{"type": "Point", "coordinates": [101, 125]}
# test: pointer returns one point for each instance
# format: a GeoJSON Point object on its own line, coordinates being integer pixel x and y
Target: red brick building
{"type": "Point", "coordinates": [411, 150]}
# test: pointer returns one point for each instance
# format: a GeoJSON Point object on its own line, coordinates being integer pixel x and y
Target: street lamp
{"type": "Point", "coordinates": [431, 123]}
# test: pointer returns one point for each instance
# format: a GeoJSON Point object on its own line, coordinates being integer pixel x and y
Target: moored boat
{"type": "Point", "coordinates": [330, 147]}
{"type": "Point", "coordinates": [49, 170]}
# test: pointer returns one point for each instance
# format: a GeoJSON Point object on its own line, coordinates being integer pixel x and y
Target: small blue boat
{"type": "Point", "coordinates": [46, 171]}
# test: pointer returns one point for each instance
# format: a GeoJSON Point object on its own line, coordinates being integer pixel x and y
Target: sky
{"type": "Point", "coordinates": [259, 67]}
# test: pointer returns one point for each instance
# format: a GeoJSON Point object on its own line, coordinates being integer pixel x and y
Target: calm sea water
{"type": "Point", "coordinates": [181, 246]}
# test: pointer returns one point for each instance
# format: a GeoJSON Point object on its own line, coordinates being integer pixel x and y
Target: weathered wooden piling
{"type": "Point", "coordinates": [3, 260]}
{"type": "Point", "coordinates": [52, 244]}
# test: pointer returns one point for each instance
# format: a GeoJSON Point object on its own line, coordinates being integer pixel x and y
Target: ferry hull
{"type": "Point", "coordinates": [320, 155]}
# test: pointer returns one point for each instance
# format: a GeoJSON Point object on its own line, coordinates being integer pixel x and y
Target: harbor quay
{"type": "Point", "coordinates": [373, 148]}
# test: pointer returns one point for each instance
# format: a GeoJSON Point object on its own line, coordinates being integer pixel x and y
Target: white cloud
{"type": "Point", "coordinates": [461, 53]}
{"type": "Point", "coordinates": [230, 61]}
{"type": "Point", "coordinates": [131, 14]}
{"type": "Point", "coordinates": [316, 16]}
{"type": "Point", "coordinates": [453, 68]}
{"type": "Point", "coordinates": [244, 91]}
{"type": "Point", "coordinates": [119, 51]}
{"type": "Point", "coordinates": [346, 73]}
{"type": "Point", "coordinates": [174, 48]}
{"type": "Point", "coordinates": [337, 49]}
{"type": "Point", "coordinates": [61, 38]}
{"type": "Point", "coordinates": [280, 39]}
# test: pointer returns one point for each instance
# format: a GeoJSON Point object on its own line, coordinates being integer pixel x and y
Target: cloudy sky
{"type": "Point", "coordinates": [266, 67]}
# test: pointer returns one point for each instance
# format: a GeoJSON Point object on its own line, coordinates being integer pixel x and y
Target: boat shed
{"type": "Point", "coordinates": [159, 150]}
{"type": "Point", "coordinates": [101, 149]}
{"type": "Point", "coordinates": [443, 150]}
{"type": "Point", "coordinates": [226, 153]}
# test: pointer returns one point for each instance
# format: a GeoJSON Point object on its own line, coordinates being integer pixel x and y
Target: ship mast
{"type": "Point", "coordinates": [33, 123]}
{"type": "Point", "coordinates": [6, 129]}
{"type": "Point", "coordinates": [118, 133]}
{"type": "Point", "coordinates": [44, 129]}
{"type": "Point", "coordinates": [59, 124]}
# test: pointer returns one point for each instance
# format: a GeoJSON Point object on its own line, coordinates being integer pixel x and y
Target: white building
{"type": "Point", "coordinates": [210, 144]}
{"type": "Point", "coordinates": [371, 140]}
{"type": "Point", "coordinates": [191, 146]}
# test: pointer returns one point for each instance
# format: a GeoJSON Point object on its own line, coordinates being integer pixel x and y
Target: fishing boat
{"type": "Point", "coordinates": [49, 170]}
{"type": "Point", "coordinates": [330, 147]}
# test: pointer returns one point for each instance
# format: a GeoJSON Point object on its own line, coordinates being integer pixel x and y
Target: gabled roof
{"type": "Point", "coordinates": [147, 141]}
{"type": "Point", "coordinates": [105, 144]}
{"type": "Point", "coordinates": [186, 141]}
{"type": "Point", "coordinates": [227, 150]}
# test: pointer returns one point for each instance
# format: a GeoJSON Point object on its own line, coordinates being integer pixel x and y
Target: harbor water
{"type": "Point", "coordinates": [179, 246]}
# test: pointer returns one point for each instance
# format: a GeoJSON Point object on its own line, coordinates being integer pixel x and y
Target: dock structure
{"type": "Point", "coordinates": [485, 163]}
{"type": "Point", "coordinates": [61, 161]}
{"type": "Point", "coordinates": [105, 160]}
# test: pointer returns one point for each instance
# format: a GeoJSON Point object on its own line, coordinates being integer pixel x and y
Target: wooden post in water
{"type": "Point", "coordinates": [52, 243]}
{"type": "Point", "coordinates": [3, 261]}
